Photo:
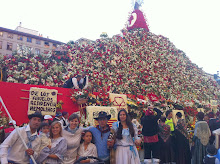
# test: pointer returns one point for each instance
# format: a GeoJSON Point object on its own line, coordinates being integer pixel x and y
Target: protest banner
{"type": "Point", "coordinates": [43, 100]}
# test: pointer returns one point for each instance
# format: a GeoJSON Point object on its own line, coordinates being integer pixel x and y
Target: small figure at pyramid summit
{"type": "Point", "coordinates": [137, 19]}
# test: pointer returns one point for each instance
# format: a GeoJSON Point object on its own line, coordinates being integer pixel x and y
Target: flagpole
{"type": "Point", "coordinates": [9, 115]}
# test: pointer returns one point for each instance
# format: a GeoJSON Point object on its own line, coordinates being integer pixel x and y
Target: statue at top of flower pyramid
{"type": "Point", "coordinates": [137, 19]}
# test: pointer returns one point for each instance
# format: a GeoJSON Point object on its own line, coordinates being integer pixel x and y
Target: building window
{"type": "Point", "coordinates": [20, 37]}
{"type": "Point", "coordinates": [10, 36]}
{"type": "Point", "coordinates": [9, 46]}
{"type": "Point", "coordinates": [46, 44]}
{"type": "Point", "coordinates": [1, 33]}
{"type": "Point", "coordinates": [54, 46]}
{"type": "Point", "coordinates": [38, 42]}
{"type": "Point", "coordinates": [0, 44]}
{"type": "Point", "coordinates": [29, 39]}
{"type": "Point", "coordinates": [37, 51]}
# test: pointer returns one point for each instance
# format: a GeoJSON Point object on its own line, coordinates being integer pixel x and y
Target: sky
{"type": "Point", "coordinates": [192, 25]}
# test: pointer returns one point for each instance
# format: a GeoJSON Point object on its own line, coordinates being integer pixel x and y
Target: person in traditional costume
{"type": "Point", "coordinates": [137, 19]}
{"type": "Point", "coordinates": [72, 133]}
{"type": "Point", "coordinates": [150, 132]}
{"type": "Point", "coordinates": [126, 139]}
{"type": "Point", "coordinates": [200, 139]}
{"type": "Point", "coordinates": [12, 149]}
{"type": "Point", "coordinates": [44, 134]}
{"type": "Point", "coordinates": [75, 82]}
{"type": "Point", "coordinates": [54, 154]}
{"type": "Point", "coordinates": [84, 81]}
{"type": "Point", "coordinates": [213, 125]}
{"type": "Point", "coordinates": [64, 119]}
{"type": "Point", "coordinates": [87, 147]}
{"type": "Point", "coordinates": [58, 116]}
{"type": "Point", "coordinates": [182, 149]}
{"type": "Point", "coordinates": [165, 141]}
{"type": "Point", "coordinates": [101, 134]}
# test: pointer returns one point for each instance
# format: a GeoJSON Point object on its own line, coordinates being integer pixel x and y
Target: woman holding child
{"type": "Point", "coordinates": [72, 133]}
{"type": "Point", "coordinates": [126, 139]}
{"type": "Point", "coordinates": [53, 154]}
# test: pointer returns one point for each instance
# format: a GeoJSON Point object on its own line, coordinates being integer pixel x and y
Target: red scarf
{"type": "Point", "coordinates": [103, 131]}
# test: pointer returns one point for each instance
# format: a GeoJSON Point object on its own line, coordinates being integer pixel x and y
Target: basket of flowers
{"type": "Point", "coordinates": [79, 97]}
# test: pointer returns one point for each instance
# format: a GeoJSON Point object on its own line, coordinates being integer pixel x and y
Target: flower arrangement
{"type": "Point", "coordinates": [190, 111]}
{"type": "Point", "coordinates": [59, 105]}
{"type": "Point", "coordinates": [79, 97]}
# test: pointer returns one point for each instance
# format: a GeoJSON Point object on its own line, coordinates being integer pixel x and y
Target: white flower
{"type": "Point", "coordinates": [79, 93]}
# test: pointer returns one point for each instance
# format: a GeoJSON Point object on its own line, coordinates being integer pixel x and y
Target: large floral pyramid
{"type": "Point", "coordinates": [146, 67]}
{"type": "Point", "coordinates": [137, 63]}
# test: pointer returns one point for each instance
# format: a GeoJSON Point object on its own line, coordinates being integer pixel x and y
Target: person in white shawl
{"type": "Point", "coordinates": [200, 139]}
{"type": "Point", "coordinates": [72, 133]}
{"type": "Point", "coordinates": [87, 147]}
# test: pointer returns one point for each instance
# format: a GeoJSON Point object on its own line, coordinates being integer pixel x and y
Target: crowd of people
{"type": "Point", "coordinates": [62, 140]}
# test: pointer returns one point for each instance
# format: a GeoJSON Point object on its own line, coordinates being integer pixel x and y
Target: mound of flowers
{"type": "Point", "coordinates": [136, 63]}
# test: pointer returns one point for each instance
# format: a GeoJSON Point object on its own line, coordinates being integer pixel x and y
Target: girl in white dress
{"type": "Point", "coordinates": [87, 148]}
{"type": "Point", "coordinates": [126, 140]}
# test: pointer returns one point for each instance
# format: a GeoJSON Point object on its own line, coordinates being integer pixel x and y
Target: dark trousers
{"type": "Point", "coordinates": [153, 148]}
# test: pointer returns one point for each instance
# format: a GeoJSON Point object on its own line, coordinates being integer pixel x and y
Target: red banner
{"type": "Point", "coordinates": [13, 95]}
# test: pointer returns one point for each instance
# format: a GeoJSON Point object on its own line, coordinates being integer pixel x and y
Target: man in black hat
{"type": "Point", "coordinates": [101, 134]}
{"type": "Point", "coordinates": [13, 150]}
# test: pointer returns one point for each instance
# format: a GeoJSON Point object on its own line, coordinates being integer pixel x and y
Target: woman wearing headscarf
{"type": "Point", "coordinates": [200, 139]}
{"type": "Point", "coordinates": [165, 141]}
{"type": "Point", "coordinates": [183, 154]}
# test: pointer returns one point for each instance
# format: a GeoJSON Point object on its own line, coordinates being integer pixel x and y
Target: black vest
{"type": "Point", "coordinates": [208, 160]}
{"type": "Point", "coordinates": [68, 83]}
{"type": "Point", "coordinates": [81, 86]}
